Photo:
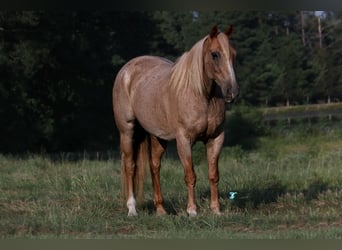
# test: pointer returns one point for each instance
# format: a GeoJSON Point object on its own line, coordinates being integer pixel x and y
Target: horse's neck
{"type": "Point", "coordinates": [209, 87]}
{"type": "Point", "coordinates": [212, 90]}
{"type": "Point", "coordinates": [215, 98]}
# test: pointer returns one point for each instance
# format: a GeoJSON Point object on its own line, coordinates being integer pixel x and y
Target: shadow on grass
{"type": "Point", "coordinates": [253, 197]}
{"type": "Point", "coordinates": [249, 197]}
{"type": "Point", "coordinates": [317, 187]}
{"type": "Point", "coordinates": [170, 207]}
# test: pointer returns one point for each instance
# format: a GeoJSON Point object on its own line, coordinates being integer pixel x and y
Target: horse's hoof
{"type": "Point", "coordinates": [192, 213]}
{"type": "Point", "coordinates": [216, 211]}
{"type": "Point", "coordinates": [132, 214]}
{"type": "Point", "coordinates": [161, 211]}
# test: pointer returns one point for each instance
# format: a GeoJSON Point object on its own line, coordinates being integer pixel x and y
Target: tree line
{"type": "Point", "coordinates": [57, 68]}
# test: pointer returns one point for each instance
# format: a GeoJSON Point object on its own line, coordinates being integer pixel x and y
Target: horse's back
{"type": "Point", "coordinates": [140, 69]}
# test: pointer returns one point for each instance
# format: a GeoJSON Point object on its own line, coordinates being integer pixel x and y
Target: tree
{"type": "Point", "coordinates": [58, 70]}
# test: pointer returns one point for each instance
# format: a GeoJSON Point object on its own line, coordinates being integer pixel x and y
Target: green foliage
{"type": "Point", "coordinates": [57, 68]}
{"type": "Point", "coordinates": [243, 127]}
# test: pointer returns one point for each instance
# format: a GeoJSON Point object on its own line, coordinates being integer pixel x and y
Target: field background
{"type": "Point", "coordinates": [288, 180]}
{"type": "Point", "coordinates": [59, 146]}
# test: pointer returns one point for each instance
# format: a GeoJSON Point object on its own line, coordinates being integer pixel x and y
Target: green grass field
{"type": "Point", "coordinates": [288, 188]}
{"type": "Point", "coordinates": [283, 110]}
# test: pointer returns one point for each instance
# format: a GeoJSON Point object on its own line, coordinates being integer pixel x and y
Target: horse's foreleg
{"type": "Point", "coordinates": [213, 151]}
{"type": "Point", "coordinates": [126, 144]}
{"type": "Point", "coordinates": [157, 150]}
{"type": "Point", "coordinates": [184, 152]}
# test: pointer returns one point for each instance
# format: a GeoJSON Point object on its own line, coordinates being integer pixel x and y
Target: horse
{"type": "Point", "coordinates": [156, 100]}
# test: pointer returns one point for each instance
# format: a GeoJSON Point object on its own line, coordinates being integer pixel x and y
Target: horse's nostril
{"type": "Point", "coordinates": [235, 92]}
{"type": "Point", "coordinates": [235, 95]}
{"type": "Point", "coordinates": [232, 94]}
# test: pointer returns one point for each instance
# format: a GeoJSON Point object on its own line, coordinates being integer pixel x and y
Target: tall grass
{"type": "Point", "coordinates": [287, 187]}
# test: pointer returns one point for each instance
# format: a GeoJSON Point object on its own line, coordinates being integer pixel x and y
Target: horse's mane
{"type": "Point", "coordinates": [187, 72]}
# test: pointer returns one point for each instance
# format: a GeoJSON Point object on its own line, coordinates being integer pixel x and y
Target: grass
{"type": "Point", "coordinates": [302, 108]}
{"type": "Point", "coordinates": [287, 188]}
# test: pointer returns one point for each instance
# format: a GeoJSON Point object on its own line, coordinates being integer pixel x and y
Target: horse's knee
{"type": "Point", "coordinates": [190, 178]}
{"type": "Point", "coordinates": [214, 178]}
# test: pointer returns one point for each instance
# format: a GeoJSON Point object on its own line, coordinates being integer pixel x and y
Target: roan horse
{"type": "Point", "coordinates": [156, 100]}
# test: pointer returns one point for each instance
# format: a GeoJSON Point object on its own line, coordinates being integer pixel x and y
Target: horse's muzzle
{"type": "Point", "coordinates": [232, 95]}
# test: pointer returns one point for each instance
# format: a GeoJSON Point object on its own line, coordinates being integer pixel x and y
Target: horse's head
{"type": "Point", "coordinates": [219, 56]}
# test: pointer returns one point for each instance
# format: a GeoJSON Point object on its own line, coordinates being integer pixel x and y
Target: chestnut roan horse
{"type": "Point", "coordinates": [156, 100]}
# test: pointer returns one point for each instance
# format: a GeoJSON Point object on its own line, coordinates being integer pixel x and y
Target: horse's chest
{"type": "Point", "coordinates": [206, 126]}
{"type": "Point", "coordinates": [202, 121]}
{"type": "Point", "coordinates": [214, 123]}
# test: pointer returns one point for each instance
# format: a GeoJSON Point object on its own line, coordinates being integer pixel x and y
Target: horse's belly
{"type": "Point", "coordinates": [156, 127]}
{"type": "Point", "coordinates": [154, 117]}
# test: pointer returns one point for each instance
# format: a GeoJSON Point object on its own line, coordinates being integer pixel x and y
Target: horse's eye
{"type": "Point", "coordinates": [215, 55]}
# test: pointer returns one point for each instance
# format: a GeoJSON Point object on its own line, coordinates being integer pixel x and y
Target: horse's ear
{"type": "Point", "coordinates": [229, 30]}
{"type": "Point", "coordinates": [214, 31]}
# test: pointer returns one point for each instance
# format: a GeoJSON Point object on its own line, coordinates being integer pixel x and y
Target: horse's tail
{"type": "Point", "coordinates": [141, 149]}
{"type": "Point", "coordinates": [142, 165]}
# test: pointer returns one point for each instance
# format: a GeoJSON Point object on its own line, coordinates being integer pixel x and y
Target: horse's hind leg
{"type": "Point", "coordinates": [157, 149]}
{"type": "Point", "coordinates": [126, 144]}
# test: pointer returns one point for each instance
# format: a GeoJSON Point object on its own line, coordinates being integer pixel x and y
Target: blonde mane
{"type": "Point", "coordinates": [187, 72]}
